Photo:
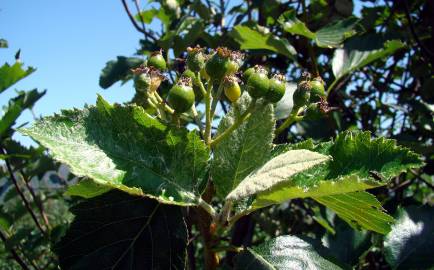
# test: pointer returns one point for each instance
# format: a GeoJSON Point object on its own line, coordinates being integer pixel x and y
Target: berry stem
{"type": "Point", "coordinates": [243, 117]}
{"type": "Point", "coordinates": [292, 118]}
{"type": "Point", "coordinates": [197, 119]}
{"type": "Point", "coordinates": [208, 113]}
{"type": "Point", "coordinates": [216, 99]}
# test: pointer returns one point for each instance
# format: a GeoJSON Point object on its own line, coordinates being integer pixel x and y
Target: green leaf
{"type": "Point", "coordinates": [361, 51]}
{"type": "Point", "coordinates": [334, 34]}
{"type": "Point", "coordinates": [147, 15]}
{"type": "Point", "coordinates": [277, 171]}
{"type": "Point", "coordinates": [358, 163]}
{"type": "Point", "coordinates": [359, 210]}
{"type": "Point", "coordinates": [125, 148]}
{"type": "Point", "coordinates": [16, 106]}
{"type": "Point", "coordinates": [346, 244]}
{"type": "Point", "coordinates": [330, 36]}
{"type": "Point", "coordinates": [292, 25]}
{"type": "Point", "coordinates": [11, 74]}
{"type": "Point", "coordinates": [120, 231]}
{"type": "Point", "coordinates": [251, 39]}
{"type": "Point", "coordinates": [188, 32]}
{"type": "Point", "coordinates": [247, 148]}
{"type": "Point", "coordinates": [118, 70]}
{"type": "Point", "coordinates": [87, 188]}
{"type": "Point", "coordinates": [410, 243]}
{"type": "Point", "coordinates": [3, 43]}
{"type": "Point", "coordinates": [285, 252]}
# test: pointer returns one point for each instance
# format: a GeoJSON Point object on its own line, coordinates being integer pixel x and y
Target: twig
{"type": "Point", "coordinates": [425, 50]}
{"type": "Point", "coordinates": [15, 255]}
{"type": "Point", "coordinates": [26, 203]}
{"type": "Point", "coordinates": [35, 198]}
{"type": "Point", "coordinates": [133, 21]}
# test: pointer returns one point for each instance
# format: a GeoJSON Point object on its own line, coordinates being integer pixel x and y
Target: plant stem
{"type": "Point", "coordinates": [200, 84]}
{"type": "Point", "coordinates": [208, 208]}
{"type": "Point", "coordinates": [292, 118]}
{"type": "Point", "coordinates": [35, 198]}
{"type": "Point", "coordinates": [162, 104]}
{"type": "Point", "coordinates": [330, 88]}
{"type": "Point", "coordinates": [216, 99]}
{"type": "Point", "coordinates": [197, 119]}
{"type": "Point", "coordinates": [23, 198]}
{"type": "Point", "coordinates": [208, 113]}
{"type": "Point", "coordinates": [14, 254]}
{"type": "Point", "coordinates": [243, 117]}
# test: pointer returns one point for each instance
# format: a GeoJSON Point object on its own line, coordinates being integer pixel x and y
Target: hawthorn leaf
{"type": "Point", "coordinates": [358, 163]}
{"type": "Point", "coordinates": [9, 75]}
{"type": "Point", "coordinates": [252, 39]}
{"type": "Point", "coordinates": [361, 51]}
{"type": "Point", "coordinates": [346, 244]}
{"type": "Point", "coordinates": [146, 15]}
{"type": "Point", "coordinates": [330, 36]}
{"type": "Point", "coordinates": [16, 106]}
{"type": "Point", "coordinates": [118, 70]}
{"type": "Point", "coordinates": [292, 25]}
{"type": "Point", "coordinates": [120, 231]}
{"type": "Point", "coordinates": [123, 147]}
{"type": "Point", "coordinates": [286, 252]}
{"type": "Point", "coordinates": [410, 243]}
{"type": "Point", "coordinates": [246, 149]}
{"type": "Point", "coordinates": [359, 210]}
{"type": "Point", "coordinates": [334, 34]}
{"type": "Point", "coordinates": [276, 171]}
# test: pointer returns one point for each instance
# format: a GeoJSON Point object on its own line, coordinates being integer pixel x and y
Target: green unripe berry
{"type": "Point", "coordinates": [157, 61]}
{"type": "Point", "coordinates": [197, 92]}
{"type": "Point", "coordinates": [277, 89]}
{"type": "Point", "coordinates": [195, 59]}
{"type": "Point", "coordinates": [248, 72]}
{"type": "Point", "coordinates": [313, 112]}
{"type": "Point", "coordinates": [216, 66]}
{"type": "Point", "coordinates": [258, 84]}
{"type": "Point", "coordinates": [232, 89]}
{"type": "Point", "coordinates": [181, 95]}
{"type": "Point", "coordinates": [317, 89]}
{"type": "Point", "coordinates": [142, 82]}
{"type": "Point", "coordinates": [301, 95]}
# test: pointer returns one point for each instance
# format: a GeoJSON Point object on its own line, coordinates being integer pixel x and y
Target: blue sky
{"type": "Point", "coordinates": [69, 43]}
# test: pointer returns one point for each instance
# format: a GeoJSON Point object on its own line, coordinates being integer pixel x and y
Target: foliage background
{"type": "Point", "coordinates": [390, 97]}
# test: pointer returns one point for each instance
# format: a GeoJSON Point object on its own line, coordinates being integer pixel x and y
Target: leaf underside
{"type": "Point", "coordinates": [121, 231]}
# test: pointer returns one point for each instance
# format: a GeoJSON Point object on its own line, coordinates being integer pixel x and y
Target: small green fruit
{"type": "Point", "coordinates": [216, 66]}
{"type": "Point", "coordinates": [313, 112]}
{"type": "Point", "coordinates": [302, 94]}
{"type": "Point", "coordinates": [142, 82]}
{"type": "Point", "coordinates": [197, 92]}
{"type": "Point", "coordinates": [195, 59]}
{"type": "Point", "coordinates": [232, 89]}
{"type": "Point", "coordinates": [157, 61]}
{"type": "Point", "coordinates": [317, 90]}
{"type": "Point", "coordinates": [258, 83]}
{"type": "Point", "coordinates": [181, 95]}
{"type": "Point", "coordinates": [277, 89]}
{"type": "Point", "coordinates": [248, 72]}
